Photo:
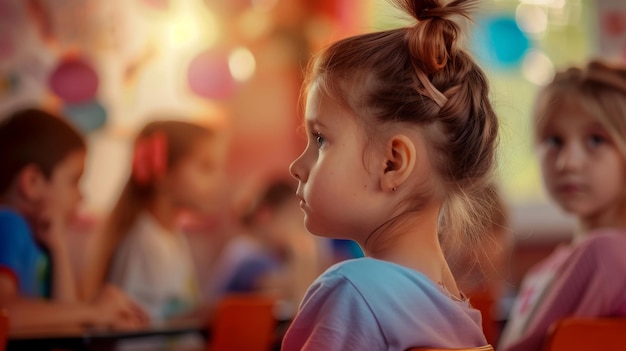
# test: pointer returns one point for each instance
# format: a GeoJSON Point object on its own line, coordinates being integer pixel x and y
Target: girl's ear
{"type": "Point", "coordinates": [31, 183]}
{"type": "Point", "coordinates": [399, 162]}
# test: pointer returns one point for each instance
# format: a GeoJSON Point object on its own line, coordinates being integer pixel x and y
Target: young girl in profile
{"type": "Point", "coordinates": [175, 168]}
{"type": "Point", "coordinates": [400, 134]}
{"type": "Point", "coordinates": [580, 134]}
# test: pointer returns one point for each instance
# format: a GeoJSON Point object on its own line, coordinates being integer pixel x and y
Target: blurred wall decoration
{"type": "Point", "coordinates": [111, 65]}
{"type": "Point", "coordinates": [611, 17]}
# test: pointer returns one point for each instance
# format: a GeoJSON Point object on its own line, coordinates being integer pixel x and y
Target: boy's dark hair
{"type": "Point", "coordinates": [33, 136]}
{"type": "Point", "coordinates": [274, 197]}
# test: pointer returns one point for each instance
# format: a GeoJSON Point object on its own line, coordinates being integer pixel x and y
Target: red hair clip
{"type": "Point", "coordinates": [150, 158]}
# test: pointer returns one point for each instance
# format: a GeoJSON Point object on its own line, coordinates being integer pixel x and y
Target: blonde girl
{"type": "Point", "coordinates": [401, 133]}
{"type": "Point", "coordinates": [580, 135]}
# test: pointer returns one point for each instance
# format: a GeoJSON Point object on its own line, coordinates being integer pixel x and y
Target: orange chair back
{"type": "Point", "coordinates": [484, 302]}
{"type": "Point", "coordinates": [577, 334]}
{"type": "Point", "coordinates": [244, 322]}
{"type": "Point", "coordinates": [4, 329]}
{"type": "Point", "coordinates": [480, 348]}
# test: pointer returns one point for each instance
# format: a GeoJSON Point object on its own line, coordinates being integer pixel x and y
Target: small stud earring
{"type": "Point", "coordinates": [394, 188]}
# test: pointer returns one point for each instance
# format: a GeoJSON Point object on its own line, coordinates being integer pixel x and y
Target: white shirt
{"type": "Point", "coordinates": [154, 266]}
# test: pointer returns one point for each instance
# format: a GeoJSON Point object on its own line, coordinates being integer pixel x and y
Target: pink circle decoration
{"type": "Point", "coordinates": [74, 80]}
{"type": "Point", "coordinates": [209, 76]}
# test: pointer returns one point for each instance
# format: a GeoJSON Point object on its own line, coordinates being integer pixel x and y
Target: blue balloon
{"type": "Point", "coordinates": [500, 42]}
{"type": "Point", "coordinates": [86, 116]}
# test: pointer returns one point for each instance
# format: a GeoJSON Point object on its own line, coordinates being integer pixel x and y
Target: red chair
{"type": "Point", "coordinates": [578, 334]}
{"type": "Point", "coordinates": [244, 322]}
{"type": "Point", "coordinates": [484, 301]}
{"type": "Point", "coordinates": [4, 329]}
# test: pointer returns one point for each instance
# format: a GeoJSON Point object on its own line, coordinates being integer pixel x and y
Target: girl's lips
{"type": "Point", "coordinates": [569, 188]}
{"type": "Point", "coordinates": [302, 201]}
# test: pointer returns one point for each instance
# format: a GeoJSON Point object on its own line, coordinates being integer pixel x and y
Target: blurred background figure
{"type": "Point", "coordinates": [274, 254]}
{"type": "Point", "coordinates": [41, 164]}
{"type": "Point", "coordinates": [580, 136]}
{"type": "Point", "coordinates": [176, 168]}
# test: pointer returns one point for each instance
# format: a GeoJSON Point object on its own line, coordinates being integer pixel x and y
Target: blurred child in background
{"type": "Point", "coordinates": [580, 134]}
{"type": "Point", "coordinates": [176, 166]}
{"type": "Point", "coordinates": [278, 221]}
{"type": "Point", "coordinates": [41, 164]}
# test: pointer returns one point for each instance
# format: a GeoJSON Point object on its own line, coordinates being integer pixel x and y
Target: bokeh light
{"type": "Point", "coordinates": [537, 67]}
{"type": "Point", "coordinates": [182, 31]}
{"type": "Point", "coordinates": [242, 64]}
{"type": "Point", "coordinates": [209, 75]}
{"type": "Point", "coordinates": [531, 18]}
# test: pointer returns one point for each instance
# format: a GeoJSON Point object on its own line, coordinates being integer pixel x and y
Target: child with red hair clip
{"type": "Point", "coordinates": [175, 169]}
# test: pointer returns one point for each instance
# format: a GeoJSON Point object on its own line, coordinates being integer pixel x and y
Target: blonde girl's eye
{"type": "Point", "coordinates": [553, 141]}
{"type": "Point", "coordinates": [596, 140]}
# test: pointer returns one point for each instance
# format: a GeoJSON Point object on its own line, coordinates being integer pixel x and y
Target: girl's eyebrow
{"type": "Point", "coordinates": [596, 125]}
{"type": "Point", "coordinates": [314, 122]}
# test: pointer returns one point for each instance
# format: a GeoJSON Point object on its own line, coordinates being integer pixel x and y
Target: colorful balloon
{"type": "Point", "coordinates": [500, 42]}
{"type": "Point", "coordinates": [209, 75]}
{"type": "Point", "coordinates": [74, 80]}
{"type": "Point", "coordinates": [86, 116]}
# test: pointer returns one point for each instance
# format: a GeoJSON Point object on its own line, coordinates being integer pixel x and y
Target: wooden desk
{"type": "Point", "coordinates": [90, 339]}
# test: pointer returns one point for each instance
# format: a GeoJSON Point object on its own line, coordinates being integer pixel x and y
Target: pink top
{"type": "Point", "coordinates": [587, 279]}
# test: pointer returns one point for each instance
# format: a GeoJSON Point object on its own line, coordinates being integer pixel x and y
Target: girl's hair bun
{"type": "Point", "coordinates": [433, 39]}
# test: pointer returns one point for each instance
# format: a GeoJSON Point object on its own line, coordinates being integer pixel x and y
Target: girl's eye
{"type": "Point", "coordinates": [319, 139]}
{"type": "Point", "coordinates": [596, 140]}
{"type": "Point", "coordinates": [553, 141]}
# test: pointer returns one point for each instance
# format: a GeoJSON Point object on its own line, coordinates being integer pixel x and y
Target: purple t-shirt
{"type": "Point", "coordinates": [587, 280]}
{"type": "Point", "coordinates": [369, 304]}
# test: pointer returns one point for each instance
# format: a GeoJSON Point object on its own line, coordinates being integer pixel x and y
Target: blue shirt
{"type": "Point", "coordinates": [21, 257]}
{"type": "Point", "coordinates": [369, 304]}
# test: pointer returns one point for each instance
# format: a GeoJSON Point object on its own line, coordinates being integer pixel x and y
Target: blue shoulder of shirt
{"type": "Point", "coordinates": [13, 228]}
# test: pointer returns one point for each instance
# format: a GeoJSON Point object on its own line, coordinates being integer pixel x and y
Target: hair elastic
{"type": "Point", "coordinates": [150, 158]}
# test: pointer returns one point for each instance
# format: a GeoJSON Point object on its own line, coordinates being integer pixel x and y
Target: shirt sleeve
{"type": "Point", "coordinates": [14, 231]}
{"type": "Point", "coordinates": [586, 286]}
{"type": "Point", "coordinates": [334, 316]}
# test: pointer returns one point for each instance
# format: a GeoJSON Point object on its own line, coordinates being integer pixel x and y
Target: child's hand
{"type": "Point", "coordinates": [113, 308]}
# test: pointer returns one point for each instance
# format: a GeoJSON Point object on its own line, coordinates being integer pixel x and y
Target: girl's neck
{"type": "Point", "coordinates": [164, 211]}
{"type": "Point", "coordinates": [615, 218]}
{"type": "Point", "coordinates": [413, 242]}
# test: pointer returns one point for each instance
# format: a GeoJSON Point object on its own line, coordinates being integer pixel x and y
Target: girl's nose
{"type": "Point", "coordinates": [297, 170]}
{"type": "Point", "coordinates": [571, 158]}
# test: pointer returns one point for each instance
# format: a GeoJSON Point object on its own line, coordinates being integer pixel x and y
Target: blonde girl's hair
{"type": "Point", "coordinates": [420, 75]}
{"type": "Point", "coordinates": [598, 87]}
{"type": "Point", "coordinates": [180, 138]}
